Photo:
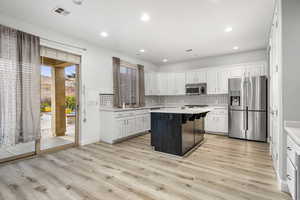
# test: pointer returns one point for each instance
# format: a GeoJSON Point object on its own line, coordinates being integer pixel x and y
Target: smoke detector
{"type": "Point", "coordinates": [61, 11]}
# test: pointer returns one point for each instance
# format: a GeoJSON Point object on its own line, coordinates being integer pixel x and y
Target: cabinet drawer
{"type": "Point", "coordinates": [219, 111]}
{"type": "Point", "coordinates": [141, 112]}
{"type": "Point", "coordinates": [291, 178]}
{"type": "Point", "coordinates": [123, 114]}
{"type": "Point", "coordinates": [291, 150]}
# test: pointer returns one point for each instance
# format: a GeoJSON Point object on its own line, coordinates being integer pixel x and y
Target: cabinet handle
{"type": "Point", "coordinates": [288, 177]}
{"type": "Point", "coordinates": [289, 148]}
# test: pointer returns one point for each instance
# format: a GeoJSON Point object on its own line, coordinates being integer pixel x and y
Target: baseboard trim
{"type": "Point", "coordinates": [89, 141]}
{"type": "Point", "coordinates": [282, 184]}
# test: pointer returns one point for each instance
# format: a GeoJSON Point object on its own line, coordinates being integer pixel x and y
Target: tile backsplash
{"type": "Point", "coordinates": [185, 100]}
{"type": "Point", "coordinates": [106, 100]}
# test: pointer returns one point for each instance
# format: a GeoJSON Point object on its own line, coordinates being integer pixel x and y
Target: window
{"type": "Point", "coordinates": [129, 85]}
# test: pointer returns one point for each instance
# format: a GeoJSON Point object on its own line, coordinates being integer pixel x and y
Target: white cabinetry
{"type": "Point", "coordinates": [237, 72]}
{"type": "Point", "coordinates": [165, 84]}
{"type": "Point", "coordinates": [116, 126]}
{"type": "Point", "coordinates": [169, 84]}
{"type": "Point", "coordinates": [151, 87]}
{"type": "Point", "coordinates": [259, 70]}
{"type": "Point", "coordinates": [222, 80]}
{"type": "Point", "coordinates": [162, 80]}
{"type": "Point", "coordinates": [179, 83]}
{"type": "Point", "coordinates": [212, 84]}
{"type": "Point", "coordinates": [193, 77]}
{"type": "Point", "coordinates": [293, 162]}
{"type": "Point", "coordinates": [217, 121]}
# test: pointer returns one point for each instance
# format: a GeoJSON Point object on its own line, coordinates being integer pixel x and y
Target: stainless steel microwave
{"type": "Point", "coordinates": [196, 89]}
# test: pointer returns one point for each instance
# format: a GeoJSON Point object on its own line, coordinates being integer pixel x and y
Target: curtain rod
{"type": "Point", "coordinates": [61, 43]}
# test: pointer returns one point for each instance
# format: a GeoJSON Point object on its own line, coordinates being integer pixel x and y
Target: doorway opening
{"type": "Point", "coordinates": [59, 104]}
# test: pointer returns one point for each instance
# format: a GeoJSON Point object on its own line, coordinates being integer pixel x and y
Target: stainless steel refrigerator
{"type": "Point", "coordinates": [248, 108]}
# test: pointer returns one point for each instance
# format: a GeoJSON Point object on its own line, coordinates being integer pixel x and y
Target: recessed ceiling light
{"type": "Point", "coordinates": [142, 50]}
{"type": "Point", "coordinates": [236, 48]}
{"type": "Point", "coordinates": [165, 60]}
{"type": "Point", "coordinates": [104, 34]}
{"type": "Point", "coordinates": [145, 17]}
{"type": "Point", "coordinates": [228, 29]}
{"type": "Point", "coordinates": [78, 2]}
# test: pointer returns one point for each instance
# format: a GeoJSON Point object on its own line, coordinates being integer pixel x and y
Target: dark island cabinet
{"type": "Point", "coordinates": [176, 133]}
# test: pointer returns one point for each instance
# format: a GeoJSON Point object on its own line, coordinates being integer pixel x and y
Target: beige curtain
{"type": "Point", "coordinates": [19, 87]}
{"type": "Point", "coordinates": [116, 82]}
{"type": "Point", "coordinates": [141, 85]}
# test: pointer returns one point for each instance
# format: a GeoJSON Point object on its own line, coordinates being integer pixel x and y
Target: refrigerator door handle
{"type": "Point", "coordinates": [247, 117]}
{"type": "Point", "coordinates": [250, 92]}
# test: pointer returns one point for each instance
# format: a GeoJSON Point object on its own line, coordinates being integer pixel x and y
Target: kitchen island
{"type": "Point", "coordinates": [177, 130]}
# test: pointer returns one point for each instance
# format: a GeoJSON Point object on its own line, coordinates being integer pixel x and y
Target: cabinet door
{"type": "Point", "coordinates": [162, 83]}
{"type": "Point", "coordinates": [202, 76]}
{"type": "Point", "coordinates": [147, 84]}
{"type": "Point", "coordinates": [209, 123]}
{"type": "Point", "coordinates": [146, 123]}
{"type": "Point", "coordinates": [256, 70]}
{"type": "Point", "coordinates": [189, 77]}
{"type": "Point", "coordinates": [212, 82]}
{"type": "Point", "coordinates": [171, 84]}
{"type": "Point", "coordinates": [222, 81]}
{"type": "Point", "coordinates": [179, 83]}
{"type": "Point", "coordinates": [237, 72]}
{"type": "Point", "coordinates": [131, 126]}
{"type": "Point", "coordinates": [222, 122]}
{"type": "Point", "coordinates": [121, 129]}
{"type": "Point", "coordinates": [153, 84]}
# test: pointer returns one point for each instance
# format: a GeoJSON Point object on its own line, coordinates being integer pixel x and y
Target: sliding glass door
{"type": "Point", "coordinates": [56, 100]}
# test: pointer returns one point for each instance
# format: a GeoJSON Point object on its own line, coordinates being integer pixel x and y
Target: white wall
{"type": "Point", "coordinates": [291, 59]}
{"type": "Point", "coordinates": [96, 72]}
{"type": "Point", "coordinates": [230, 59]}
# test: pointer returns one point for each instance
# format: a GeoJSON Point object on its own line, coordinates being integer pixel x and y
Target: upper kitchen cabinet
{"type": "Point", "coordinates": [222, 81]}
{"type": "Point", "coordinates": [257, 70]}
{"type": "Point", "coordinates": [162, 80]}
{"type": "Point", "coordinates": [237, 72]}
{"type": "Point", "coordinates": [194, 77]}
{"type": "Point", "coordinates": [179, 83]}
{"type": "Point", "coordinates": [151, 85]}
{"type": "Point", "coordinates": [212, 81]}
{"type": "Point", "coordinates": [171, 83]}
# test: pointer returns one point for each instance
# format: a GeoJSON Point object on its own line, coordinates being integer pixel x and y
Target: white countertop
{"type": "Point", "coordinates": [110, 109]}
{"type": "Point", "coordinates": [129, 109]}
{"type": "Point", "coordinates": [293, 130]}
{"type": "Point", "coordinates": [183, 111]}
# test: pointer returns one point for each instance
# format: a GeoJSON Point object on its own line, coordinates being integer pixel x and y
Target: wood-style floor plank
{"type": "Point", "coordinates": [220, 169]}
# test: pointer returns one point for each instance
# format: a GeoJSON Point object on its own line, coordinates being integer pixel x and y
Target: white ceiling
{"type": "Point", "coordinates": [175, 25]}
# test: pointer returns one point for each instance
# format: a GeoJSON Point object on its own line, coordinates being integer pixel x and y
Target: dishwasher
{"type": "Point", "coordinates": [187, 133]}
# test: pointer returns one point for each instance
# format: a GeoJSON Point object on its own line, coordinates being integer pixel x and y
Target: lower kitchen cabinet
{"type": "Point", "coordinates": [117, 126]}
{"type": "Point", "coordinates": [293, 167]}
{"type": "Point", "coordinates": [217, 121]}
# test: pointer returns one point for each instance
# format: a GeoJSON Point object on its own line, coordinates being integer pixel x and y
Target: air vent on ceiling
{"type": "Point", "coordinates": [61, 11]}
{"type": "Point", "coordinates": [189, 50]}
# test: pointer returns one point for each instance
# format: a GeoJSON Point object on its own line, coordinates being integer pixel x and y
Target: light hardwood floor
{"type": "Point", "coordinates": [221, 168]}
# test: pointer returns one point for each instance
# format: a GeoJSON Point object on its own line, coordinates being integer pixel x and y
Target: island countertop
{"type": "Point", "coordinates": [183, 110]}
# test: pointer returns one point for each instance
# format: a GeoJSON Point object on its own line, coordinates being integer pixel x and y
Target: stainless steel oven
{"type": "Point", "coordinates": [196, 89]}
